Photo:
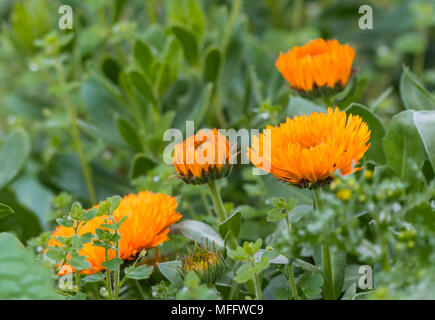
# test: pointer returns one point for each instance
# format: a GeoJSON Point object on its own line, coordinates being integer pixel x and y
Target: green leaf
{"type": "Point", "coordinates": [112, 264]}
{"type": "Point", "coordinates": [143, 55]}
{"type": "Point", "coordinates": [273, 256]}
{"type": "Point", "coordinates": [78, 296]}
{"type": "Point", "coordinates": [33, 195]}
{"type": "Point", "coordinates": [128, 133]}
{"type": "Point", "coordinates": [13, 155]}
{"type": "Point", "coordinates": [350, 292]}
{"type": "Point", "coordinates": [299, 106]}
{"type": "Point", "coordinates": [101, 104]}
{"type": "Point", "coordinates": [5, 211]}
{"type": "Point", "coordinates": [79, 262]}
{"type": "Point", "coordinates": [55, 254]}
{"type": "Point", "coordinates": [171, 271]}
{"type": "Point", "coordinates": [96, 277]}
{"type": "Point", "coordinates": [414, 95]}
{"type": "Point", "coordinates": [141, 165]}
{"type": "Point", "coordinates": [114, 203]}
{"type": "Point", "coordinates": [169, 68]}
{"type": "Point", "coordinates": [199, 232]}
{"type": "Point", "coordinates": [425, 123]}
{"type": "Point", "coordinates": [188, 42]}
{"type": "Point", "coordinates": [351, 275]}
{"type": "Point", "coordinates": [140, 273]}
{"type": "Point", "coordinates": [352, 92]}
{"type": "Point", "coordinates": [231, 224]}
{"type": "Point", "coordinates": [403, 146]}
{"type": "Point", "coordinates": [111, 69]}
{"type": "Point", "coordinates": [24, 223]}
{"type": "Point", "coordinates": [244, 273]}
{"type": "Point", "coordinates": [276, 214]}
{"type": "Point", "coordinates": [143, 86]}
{"type": "Point", "coordinates": [306, 266]}
{"type": "Point", "coordinates": [196, 16]}
{"type": "Point", "coordinates": [311, 284]}
{"type": "Point", "coordinates": [201, 106]}
{"type": "Point", "coordinates": [90, 214]}
{"type": "Point", "coordinates": [66, 173]}
{"type": "Point", "coordinates": [338, 262]}
{"type": "Point", "coordinates": [376, 150]}
{"type": "Point", "coordinates": [212, 64]}
{"type": "Point", "coordinates": [21, 276]}
{"type": "Point", "coordinates": [263, 264]}
{"type": "Point", "coordinates": [76, 211]}
{"type": "Point", "coordinates": [238, 254]}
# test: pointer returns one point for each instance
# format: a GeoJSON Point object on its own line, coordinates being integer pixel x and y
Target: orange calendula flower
{"type": "Point", "coordinates": [203, 157]}
{"type": "Point", "coordinates": [149, 216]}
{"type": "Point", "coordinates": [318, 64]}
{"type": "Point", "coordinates": [306, 150]}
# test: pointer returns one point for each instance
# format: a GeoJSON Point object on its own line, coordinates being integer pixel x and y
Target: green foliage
{"type": "Point", "coordinates": [194, 290]}
{"type": "Point", "coordinates": [21, 277]}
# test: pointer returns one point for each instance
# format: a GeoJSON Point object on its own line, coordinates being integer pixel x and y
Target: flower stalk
{"type": "Point", "coordinates": [220, 210]}
{"type": "Point", "coordinates": [328, 288]}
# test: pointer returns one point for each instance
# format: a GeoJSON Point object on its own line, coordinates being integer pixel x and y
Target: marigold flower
{"type": "Point", "coordinates": [317, 64]}
{"type": "Point", "coordinates": [203, 157]}
{"type": "Point", "coordinates": [149, 216]}
{"type": "Point", "coordinates": [306, 150]}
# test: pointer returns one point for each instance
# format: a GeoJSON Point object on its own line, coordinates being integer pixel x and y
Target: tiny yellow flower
{"type": "Point", "coordinates": [344, 194]}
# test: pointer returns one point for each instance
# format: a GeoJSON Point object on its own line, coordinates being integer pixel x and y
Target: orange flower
{"type": "Point", "coordinates": [149, 216]}
{"type": "Point", "coordinates": [306, 150]}
{"type": "Point", "coordinates": [203, 157]}
{"type": "Point", "coordinates": [317, 64]}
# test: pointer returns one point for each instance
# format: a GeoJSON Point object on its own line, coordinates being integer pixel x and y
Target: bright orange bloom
{"type": "Point", "coordinates": [306, 150]}
{"type": "Point", "coordinates": [149, 216]}
{"type": "Point", "coordinates": [318, 63]}
{"type": "Point", "coordinates": [202, 157]}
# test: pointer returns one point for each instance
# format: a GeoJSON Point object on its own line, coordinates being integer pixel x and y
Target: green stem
{"type": "Point", "coordinates": [78, 280]}
{"type": "Point", "coordinates": [207, 208]}
{"type": "Point", "coordinates": [328, 288]}
{"type": "Point", "coordinates": [116, 284]}
{"type": "Point", "coordinates": [258, 293]}
{"type": "Point", "coordinates": [220, 211]}
{"type": "Point", "coordinates": [75, 133]}
{"type": "Point", "coordinates": [108, 278]}
{"type": "Point", "coordinates": [328, 101]}
{"type": "Point", "coordinates": [217, 201]}
{"type": "Point", "coordinates": [293, 283]}
{"type": "Point", "coordinates": [290, 267]}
